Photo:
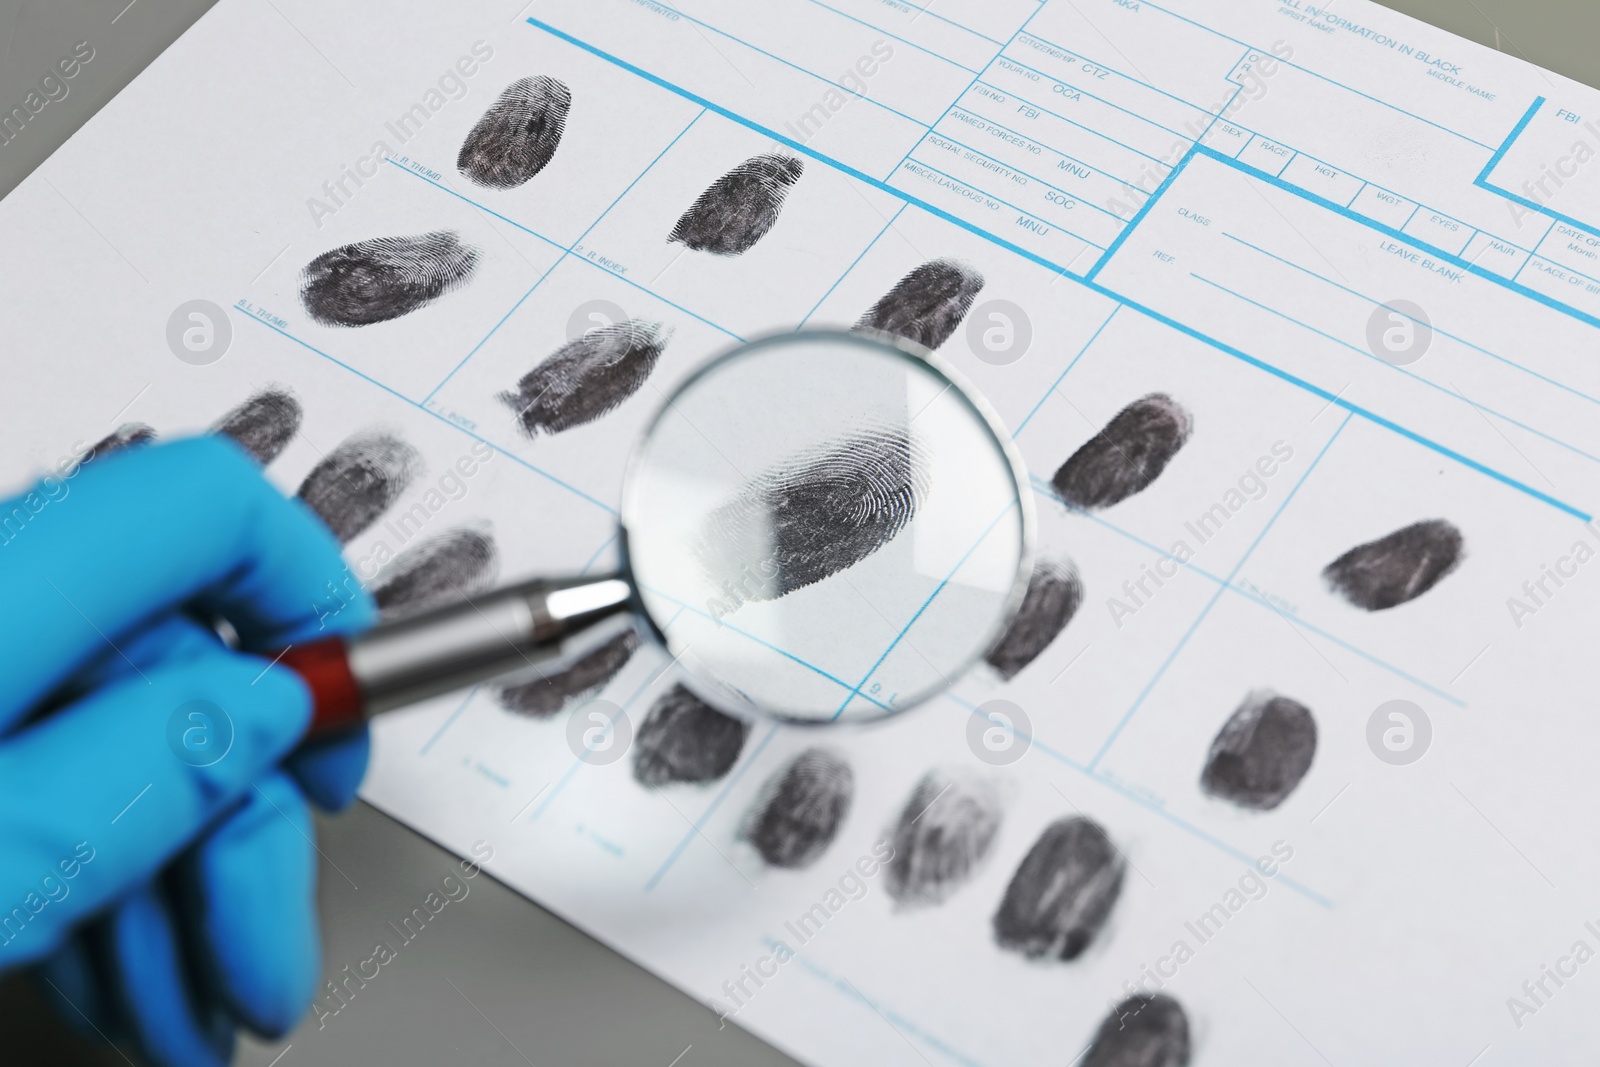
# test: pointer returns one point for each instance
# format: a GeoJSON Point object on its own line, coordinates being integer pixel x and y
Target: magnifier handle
{"type": "Point", "coordinates": [436, 652]}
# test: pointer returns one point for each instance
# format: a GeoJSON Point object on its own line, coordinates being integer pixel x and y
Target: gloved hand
{"type": "Point", "coordinates": [165, 901]}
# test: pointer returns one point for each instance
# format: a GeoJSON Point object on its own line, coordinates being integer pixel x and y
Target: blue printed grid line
{"type": "Point", "coordinates": [1013, 207]}
{"type": "Point", "coordinates": [512, 456]}
{"type": "Point", "coordinates": [1314, 74]}
{"type": "Point", "coordinates": [1454, 394]}
{"type": "Point", "coordinates": [1482, 181]}
{"type": "Point", "coordinates": [1106, 66]}
{"type": "Point", "coordinates": [891, 35]}
{"type": "Point", "coordinates": [906, 629]}
{"type": "Point", "coordinates": [1197, 150]}
{"type": "Point", "coordinates": [579, 763]}
{"type": "Point", "coordinates": [895, 169]}
{"type": "Point", "coordinates": [1032, 140]}
{"type": "Point", "coordinates": [803, 149]}
{"type": "Point", "coordinates": [1147, 120]}
{"type": "Point", "coordinates": [1031, 177]}
{"type": "Point", "coordinates": [889, 224]}
{"type": "Point", "coordinates": [1144, 210]}
{"type": "Point", "coordinates": [764, 643]}
{"type": "Point", "coordinates": [1108, 782]}
{"type": "Point", "coordinates": [829, 82]}
{"type": "Point", "coordinates": [1087, 129]}
{"type": "Point", "coordinates": [566, 252]}
{"type": "Point", "coordinates": [1205, 611]}
{"type": "Point", "coordinates": [1063, 375]}
{"type": "Point", "coordinates": [1043, 488]}
{"type": "Point", "coordinates": [1442, 333]}
{"type": "Point", "coordinates": [722, 794]}
{"type": "Point", "coordinates": [449, 722]}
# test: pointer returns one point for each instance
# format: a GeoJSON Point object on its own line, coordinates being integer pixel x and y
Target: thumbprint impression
{"type": "Point", "coordinates": [549, 693]}
{"type": "Point", "coordinates": [384, 278]}
{"type": "Point", "coordinates": [1397, 568]}
{"type": "Point", "coordinates": [740, 207]}
{"type": "Point", "coordinates": [819, 513]}
{"type": "Point", "coordinates": [587, 377]}
{"type": "Point", "coordinates": [1261, 752]}
{"type": "Point", "coordinates": [942, 836]}
{"type": "Point", "coordinates": [359, 480]}
{"type": "Point", "coordinates": [519, 134]}
{"type": "Point", "coordinates": [927, 304]}
{"type": "Point", "coordinates": [684, 739]}
{"type": "Point", "coordinates": [801, 809]}
{"type": "Point", "coordinates": [1054, 593]}
{"type": "Point", "coordinates": [1062, 893]}
{"type": "Point", "coordinates": [264, 424]}
{"type": "Point", "coordinates": [1126, 456]}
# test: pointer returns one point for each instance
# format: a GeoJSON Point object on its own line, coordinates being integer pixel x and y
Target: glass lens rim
{"type": "Point", "coordinates": [886, 344]}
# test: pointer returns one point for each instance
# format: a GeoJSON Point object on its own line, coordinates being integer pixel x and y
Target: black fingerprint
{"type": "Point", "coordinates": [926, 305]}
{"type": "Point", "coordinates": [548, 694]}
{"type": "Point", "coordinates": [1261, 752]}
{"type": "Point", "coordinates": [451, 566]}
{"type": "Point", "coordinates": [359, 480]}
{"type": "Point", "coordinates": [1126, 456]}
{"type": "Point", "coordinates": [815, 515]}
{"type": "Point", "coordinates": [587, 377]}
{"type": "Point", "coordinates": [1399, 567]}
{"type": "Point", "coordinates": [684, 739]}
{"type": "Point", "coordinates": [942, 835]}
{"type": "Point", "coordinates": [740, 207]}
{"type": "Point", "coordinates": [1054, 593]}
{"type": "Point", "coordinates": [1142, 1031]}
{"type": "Point", "coordinates": [127, 435]}
{"type": "Point", "coordinates": [516, 138]}
{"type": "Point", "coordinates": [264, 424]}
{"type": "Point", "coordinates": [1062, 893]}
{"type": "Point", "coordinates": [384, 278]}
{"type": "Point", "coordinates": [801, 808]}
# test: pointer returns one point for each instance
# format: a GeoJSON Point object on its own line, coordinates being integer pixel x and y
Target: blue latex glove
{"type": "Point", "coordinates": [164, 902]}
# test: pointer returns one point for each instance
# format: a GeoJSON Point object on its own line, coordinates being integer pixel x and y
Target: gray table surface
{"type": "Point", "coordinates": [503, 981]}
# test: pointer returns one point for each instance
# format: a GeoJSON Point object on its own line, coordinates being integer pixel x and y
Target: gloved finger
{"type": "Point", "coordinates": [138, 533]}
{"type": "Point", "coordinates": [166, 1011]}
{"type": "Point", "coordinates": [254, 918]}
{"type": "Point", "coordinates": [329, 771]}
{"type": "Point", "coordinates": [69, 982]}
{"type": "Point", "coordinates": [173, 638]}
{"type": "Point", "coordinates": [125, 777]}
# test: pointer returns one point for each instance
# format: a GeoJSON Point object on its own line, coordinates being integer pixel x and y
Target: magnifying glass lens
{"type": "Point", "coordinates": [825, 527]}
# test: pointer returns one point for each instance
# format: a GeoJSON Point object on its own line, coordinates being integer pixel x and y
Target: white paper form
{"type": "Point", "coordinates": [1208, 203]}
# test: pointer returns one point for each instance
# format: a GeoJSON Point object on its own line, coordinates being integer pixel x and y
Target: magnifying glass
{"type": "Point", "coordinates": [819, 527]}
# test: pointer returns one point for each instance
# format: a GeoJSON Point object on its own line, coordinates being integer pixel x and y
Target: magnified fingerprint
{"type": "Point", "coordinates": [1261, 752]}
{"type": "Point", "coordinates": [1062, 893]}
{"type": "Point", "coordinates": [942, 836]}
{"type": "Point", "coordinates": [1142, 1031]}
{"type": "Point", "coordinates": [1054, 593]}
{"type": "Point", "coordinates": [264, 424]}
{"type": "Point", "coordinates": [519, 134]}
{"type": "Point", "coordinates": [926, 305]}
{"type": "Point", "coordinates": [451, 566]}
{"type": "Point", "coordinates": [547, 694]}
{"type": "Point", "coordinates": [587, 377]}
{"type": "Point", "coordinates": [1396, 568]}
{"type": "Point", "coordinates": [801, 808]}
{"type": "Point", "coordinates": [384, 278]}
{"type": "Point", "coordinates": [1126, 456]}
{"type": "Point", "coordinates": [740, 207]}
{"type": "Point", "coordinates": [127, 435]}
{"type": "Point", "coordinates": [684, 739]}
{"type": "Point", "coordinates": [359, 480]}
{"type": "Point", "coordinates": [821, 512]}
